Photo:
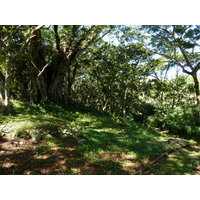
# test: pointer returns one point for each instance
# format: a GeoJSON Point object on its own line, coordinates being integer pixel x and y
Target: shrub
{"type": "Point", "coordinates": [182, 121]}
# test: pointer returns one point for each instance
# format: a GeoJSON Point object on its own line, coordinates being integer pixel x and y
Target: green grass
{"type": "Point", "coordinates": [108, 147]}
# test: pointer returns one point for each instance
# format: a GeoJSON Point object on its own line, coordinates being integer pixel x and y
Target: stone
{"type": "Point", "coordinates": [36, 138]}
{"type": "Point", "coordinates": [4, 129]}
{"type": "Point", "coordinates": [81, 141]}
{"type": "Point", "coordinates": [2, 134]}
{"type": "Point", "coordinates": [2, 152]}
{"type": "Point", "coordinates": [130, 164]}
{"type": "Point", "coordinates": [74, 129]}
{"type": "Point", "coordinates": [130, 156]}
{"type": "Point", "coordinates": [13, 135]}
{"type": "Point", "coordinates": [76, 134]}
{"type": "Point", "coordinates": [64, 136]}
{"type": "Point", "coordinates": [49, 136]}
{"type": "Point", "coordinates": [67, 132]}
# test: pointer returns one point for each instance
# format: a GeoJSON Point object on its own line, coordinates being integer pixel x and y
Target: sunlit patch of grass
{"type": "Point", "coordinates": [51, 143]}
{"type": "Point", "coordinates": [39, 156]}
{"type": "Point", "coordinates": [129, 155]}
{"type": "Point", "coordinates": [179, 162]}
{"type": "Point", "coordinates": [23, 124]}
{"type": "Point", "coordinates": [75, 170]}
{"type": "Point", "coordinates": [40, 149]}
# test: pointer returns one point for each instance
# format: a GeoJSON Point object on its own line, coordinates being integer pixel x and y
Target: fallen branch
{"type": "Point", "coordinates": [160, 157]}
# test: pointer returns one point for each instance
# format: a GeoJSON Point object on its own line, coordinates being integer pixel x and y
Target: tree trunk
{"type": "Point", "coordinates": [1, 101]}
{"type": "Point", "coordinates": [39, 81]}
{"type": "Point", "coordinates": [69, 85]}
{"type": "Point", "coordinates": [2, 90]}
{"type": "Point", "coordinates": [55, 79]}
{"type": "Point", "coordinates": [196, 87]}
{"type": "Point", "coordinates": [7, 89]}
{"type": "Point", "coordinates": [124, 105]}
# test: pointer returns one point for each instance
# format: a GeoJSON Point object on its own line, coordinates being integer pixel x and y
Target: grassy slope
{"type": "Point", "coordinates": [101, 146]}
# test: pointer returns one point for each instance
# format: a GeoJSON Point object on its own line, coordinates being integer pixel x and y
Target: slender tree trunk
{"type": "Point", "coordinates": [105, 106]}
{"type": "Point", "coordinates": [71, 75]}
{"type": "Point", "coordinates": [196, 87]}
{"type": "Point", "coordinates": [173, 99]}
{"type": "Point", "coordinates": [1, 101]}
{"type": "Point", "coordinates": [124, 105]}
{"type": "Point", "coordinates": [2, 83]}
{"type": "Point", "coordinates": [69, 85]}
{"type": "Point", "coordinates": [7, 109]}
{"type": "Point", "coordinates": [1, 92]}
{"type": "Point", "coordinates": [1, 97]}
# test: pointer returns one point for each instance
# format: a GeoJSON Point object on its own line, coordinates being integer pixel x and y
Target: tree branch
{"type": "Point", "coordinates": [44, 68]}
{"type": "Point", "coordinates": [178, 44]}
{"type": "Point", "coordinates": [57, 38]}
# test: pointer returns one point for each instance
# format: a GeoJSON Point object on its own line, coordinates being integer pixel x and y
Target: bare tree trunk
{"type": "Point", "coordinates": [1, 101]}
{"type": "Point", "coordinates": [1, 92]}
{"type": "Point", "coordinates": [105, 106]}
{"type": "Point", "coordinates": [7, 109]}
{"type": "Point", "coordinates": [124, 110]}
{"type": "Point", "coordinates": [196, 87]}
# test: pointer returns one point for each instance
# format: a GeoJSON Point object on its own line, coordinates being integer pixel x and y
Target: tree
{"type": "Point", "coordinates": [6, 35]}
{"type": "Point", "coordinates": [179, 44]}
{"type": "Point", "coordinates": [57, 71]}
{"type": "Point", "coordinates": [111, 76]}
{"type": "Point", "coordinates": [14, 40]}
{"type": "Point", "coordinates": [44, 58]}
{"type": "Point", "coordinates": [71, 42]}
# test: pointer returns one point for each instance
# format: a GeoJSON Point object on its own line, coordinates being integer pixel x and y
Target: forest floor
{"type": "Point", "coordinates": [49, 139]}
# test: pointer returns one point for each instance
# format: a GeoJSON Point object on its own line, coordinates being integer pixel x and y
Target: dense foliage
{"type": "Point", "coordinates": [122, 70]}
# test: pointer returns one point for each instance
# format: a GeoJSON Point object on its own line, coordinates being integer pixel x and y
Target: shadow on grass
{"type": "Point", "coordinates": [179, 163]}
{"type": "Point", "coordinates": [140, 142]}
{"type": "Point", "coordinates": [101, 134]}
{"type": "Point", "coordinates": [66, 157]}
{"type": "Point", "coordinates": [42, 160]}
{"type": "Point", "coordinates": [84, 167]}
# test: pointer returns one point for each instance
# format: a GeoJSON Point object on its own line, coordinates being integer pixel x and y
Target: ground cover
{"type": "Point", "coordinates": [50, 139]}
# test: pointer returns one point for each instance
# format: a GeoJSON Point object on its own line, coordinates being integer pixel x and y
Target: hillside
{"type": "Point", "coordinates": [50, 139]}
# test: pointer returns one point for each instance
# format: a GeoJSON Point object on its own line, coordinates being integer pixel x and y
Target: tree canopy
{"type": "Point", "coordinates": [115, 69]}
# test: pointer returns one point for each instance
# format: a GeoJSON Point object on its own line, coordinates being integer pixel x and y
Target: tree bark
{"type": "Point", "coordinates": [2, 83]}
{"type": "Point", "coordinates": [55, 80]}
{"type": "Point", "coordinates": [7, 109]}
{"type": "Point", "coordinates": [69, 85]}
{"type": "Point", "coordinates": [196, 87]}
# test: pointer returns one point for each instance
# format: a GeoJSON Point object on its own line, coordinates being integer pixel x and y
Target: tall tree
{"type": "Point", "coordinates": [43, 58]}
{"type": "Point", "coordinates": [56, 73]}
{"type": "Point", "coordinates": [14, 40]}
{"type": "Point", "coordinates": [180, 45]}
{"type": "Point", "coordinates": [7, 48]}
{"type": "Point", "coordinates": [112, 77]}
